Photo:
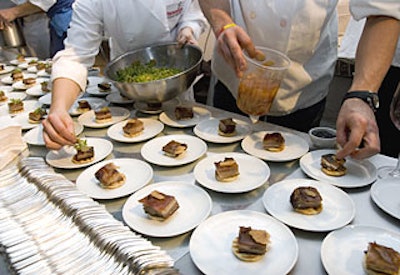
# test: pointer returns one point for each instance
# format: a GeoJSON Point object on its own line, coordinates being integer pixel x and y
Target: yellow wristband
{"type": "Point", "coordinates": [227, 26]}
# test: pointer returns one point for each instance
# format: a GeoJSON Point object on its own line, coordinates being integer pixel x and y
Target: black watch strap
{"type": "Point", "coordinates": [368, 97]}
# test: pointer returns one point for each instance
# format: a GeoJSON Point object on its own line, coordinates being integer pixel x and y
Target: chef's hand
{"type": "Point", "coordinates": [58, 129]}
{"type": "Point", "coordinates": [231, 43]}
{"type": "Point", "coordinates": [186, 36]}
{"type": "Point", "coordinates": [357, 132]}
{"type": "Point", "coordinates": [6, 16]}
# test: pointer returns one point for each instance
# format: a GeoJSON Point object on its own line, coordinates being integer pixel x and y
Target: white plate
{"type": "Point", "coordinates": [94, 102]}
{"type": "Point", "coordinates": [27, 60]}
{"type": "Point", "coordinates": [199, 114]}
{"type": "Point", "coordinates": [152, 150]}
{"type": "Point", "coordinates": [211, 242]}
{"type": "Point", "coordinates": [6, 88]}
{"type": "Point", "coordinates": [295, 147]}
{"type": "Point", "coordinates": [29, 106]}
{"type": "Point", "coordinates": [36, 90]}
{"type": "Point", "coordinates": [43, 73]}
{"type": "Point", "coordinates": [45, 99]}
{"type": "Point", "coordinates": [253, 173]}
{"type": "Point", "coordinates": [7, 69]}
{"type": "Point", "coordinates": [88, 119]}
{"type": "Point", "coordinates": [359, 173]}
{"type": "Point", "coordinates": [152, 128]}
{"type": "Point", "coordinates": [144, 108]}
{"type": "Point", "coordinates": [385, 193]}
{"type": "Point", "coordinates": [93, 89]}
{"type": "Point", "coordinates": [13, 95]}
{"type": "Point", "coordinates": [63, 157]}
{"type": "Point", "coordinates": [23, 121]}
{"type": "Point", "coordinates": [338, 208]}
{"type": "Point", "coordinates": [35, 135]}
{"type": "Point", "coordinates": [9, 81]}
{"type": "Point", "coordinates": [137, 174]}
{"type": "Point", "coordinates": [342, 251]}
{"type": "Point", "coordinates": [194, 207]}
{"type": "Point", "coordinates": [117, 98]}
{"type": "Point", "coordinates": [208, 130]}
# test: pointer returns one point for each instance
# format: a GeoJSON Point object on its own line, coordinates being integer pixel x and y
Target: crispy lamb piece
{"type": "Point", "coordinates": [83, 105]}
{"type": "Point", "coordinates": [273, 141]}
{"type": "Point", "coordinates": [382, 259]}
{"type": "Point", "coordinates": [227, 126]}
{"type": "Point", "coordinates": [37, 115]}
{"type": "Point", "coordinates": [45, 86]}
{"type": "Point", "coordinates": [15, 106]}
{"type": "Point", "coordinates": [159, 205]}
{"type": "Point", "coordinates": [182, 112]}
{"type": "Point", "coordinates": [103, 114]}
{"type": "Point", "coordinates": [109, 176]}
{"type": "Point", "coordinates": [305, 197]}
{"type": "Point", "coordinates": [3, 96]}
{"type": "Point", "coordinates": [29, 81]}
{"type": "Point", "coordinates": [104, 86]}
{"type": "Point", "coordinates": [174, 148]}
{"type": "Point", "coordinates": [226, 169]}
{"type": "Point", "coordinates": [133, 127]}
{"type": "Point", "coordinates": [84, 152]}
{"type": "Point", "coordinates": [252, 241]}
{"type": "Point", "coordinates": [17, 75]}
{"type": "Point", "coordinates": [330, 162]}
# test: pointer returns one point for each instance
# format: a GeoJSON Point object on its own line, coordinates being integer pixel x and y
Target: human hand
{"type": "Point", "coordinates": [230, 43]}
{"type": "Point", "coordinates": [58, 129]}
{"type": "Point", "coordinates": [356, 130]}
{"type": "Point", "coordinates": [6, 17]}
{"type": "Point", "coordinates": [186, 36]}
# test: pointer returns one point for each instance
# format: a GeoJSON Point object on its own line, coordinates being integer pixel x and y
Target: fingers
{"type": "Point", "coordinates": [356, 131]}
{"type": "Point", "coordinates": [58, 130]}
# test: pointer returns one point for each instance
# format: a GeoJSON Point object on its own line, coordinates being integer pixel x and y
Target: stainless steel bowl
{"type": "Point", "coordinates": [187, 58]}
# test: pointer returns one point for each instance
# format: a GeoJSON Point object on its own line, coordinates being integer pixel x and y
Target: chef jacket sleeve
{"type": "Point", "coordinates": [364, 8]}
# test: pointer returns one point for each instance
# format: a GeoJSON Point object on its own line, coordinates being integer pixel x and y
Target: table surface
{"type": "Point", "coordinates": [309, 262]}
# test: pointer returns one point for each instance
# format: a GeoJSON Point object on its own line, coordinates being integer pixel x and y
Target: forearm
{"type": "Point", "coordinates": [375, 52]}
{"type": "Point", "coordinates": [217, 13]}
{"type": "Point", "coordinates": [26, 9]}
{"type": "Point", "coordinates": [64, 93]}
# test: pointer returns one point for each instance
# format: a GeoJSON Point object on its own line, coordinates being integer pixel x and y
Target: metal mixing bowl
{"type": "Point", "coordinates": [187, 58]}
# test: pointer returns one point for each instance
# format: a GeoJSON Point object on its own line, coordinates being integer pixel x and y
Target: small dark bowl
{"type": "Point", "coordinates": [323, 137]}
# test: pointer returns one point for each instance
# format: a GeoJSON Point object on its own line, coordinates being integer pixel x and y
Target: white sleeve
{"type": "Point", "coordinates": [364, 8]}
{"type": "Point", "coordinates": [82, 43]}
{"type": "Point", "coordinates": [43, 4]}
{"type": "Point", "coordinates": [193, 18]}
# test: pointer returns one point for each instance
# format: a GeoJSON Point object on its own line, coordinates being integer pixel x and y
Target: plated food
{"type": "Point", "coordinates": [194, 207]}
{"type": "Point", "coordinates": [205, 172]}
{"type": "Point", "coordinates": [306, 200]}
{"type": "Point", "coordinates": [37, 115]}
{"type": "Point", "coordinates": [174, 148]}
{"type": "Point", "coordinates": [104, 86]}
{"type": "Point", "coordinates": [337, 208]}
{"type": "Point", "coordinates": [103, 115]}
{"type": "Point", "coordinates": [133, 127]}
{"type": "Point", "coordinates": [380, 260]}
{"type": "Point", "coordinates": [295, 146]}
{"type": "Point", "coordinates": [358, 173]}
{"type": "Point", "coordinates": [15, 106]}
{"type": "Point", "coordinates": [273, 142]}
{"type": "Point", "coordinates": [159, 206]}
{"type": "Point", "coordinates": [226, 170]}
{"type": "Point", "coordinates": [211, 244]}
{"type": "Point", "coordinates": [183, 112]}
{"type": "Point", "coordinates": [150, 128]}
{"type": "Point", "coordinates": [137, 173]}
{"type": "Point", "coordinates": [3, 96]}
{"type": "Point", "coordinates": [227, 127]}
{"type": "Point", "coordinates": [83, 106]}
{"type": "Point", "coordinates": [169, 118]}
{"type": "Point", "coordinates": [353, 243]}
{"type": "Point", "coordinates": [109, 177]}
{"type": "Point", "coordinates": [84, 152]}
{"type": "Point", "coordinates": [63, 157]}
{"type": "Point", "coordinates": [332, 166]}
{"type": "Point", "coordinates": [17, 75]}
{"type": "Point", "coordinates": [251, 244]}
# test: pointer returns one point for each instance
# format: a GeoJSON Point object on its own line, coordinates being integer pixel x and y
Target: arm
{"type": "Point", "coordinates": [356, 121]}
{"type": "Point", "coordinates": [9, 15]}
{"type": "Point", "coordinates": [69, 72]}
{"type": "Point", "coordinates": [191, 24]}
{"type": "Point", "coordinates": [232, 40]}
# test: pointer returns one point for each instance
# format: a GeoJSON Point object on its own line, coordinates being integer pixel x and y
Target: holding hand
{"type": "Point", "coordinates": [6, 17]}
{"type": "Point", "coordinates": [58, 129]}
{"type": "Point", "coordinates": [186, 36]}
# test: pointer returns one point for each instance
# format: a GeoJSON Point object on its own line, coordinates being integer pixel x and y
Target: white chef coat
{"type": "Point", "coordinates": [130, 24]}
{"type": "Point", "coordinates": [350, 40]}
{"type": "Point", "coordinates": [306, 31]}
{"type": "Point", "coordinates": [45, 5]}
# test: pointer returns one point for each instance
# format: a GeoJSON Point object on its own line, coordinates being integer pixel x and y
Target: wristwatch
{"type": "Point", "coordinates": [368, 97]}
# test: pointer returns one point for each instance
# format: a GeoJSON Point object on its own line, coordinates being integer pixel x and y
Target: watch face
{"type": "Point", "coordinates": [375, 100]}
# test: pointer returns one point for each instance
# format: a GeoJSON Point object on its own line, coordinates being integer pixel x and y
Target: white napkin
{"type": "Point", "coordinates": [11, 142]}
